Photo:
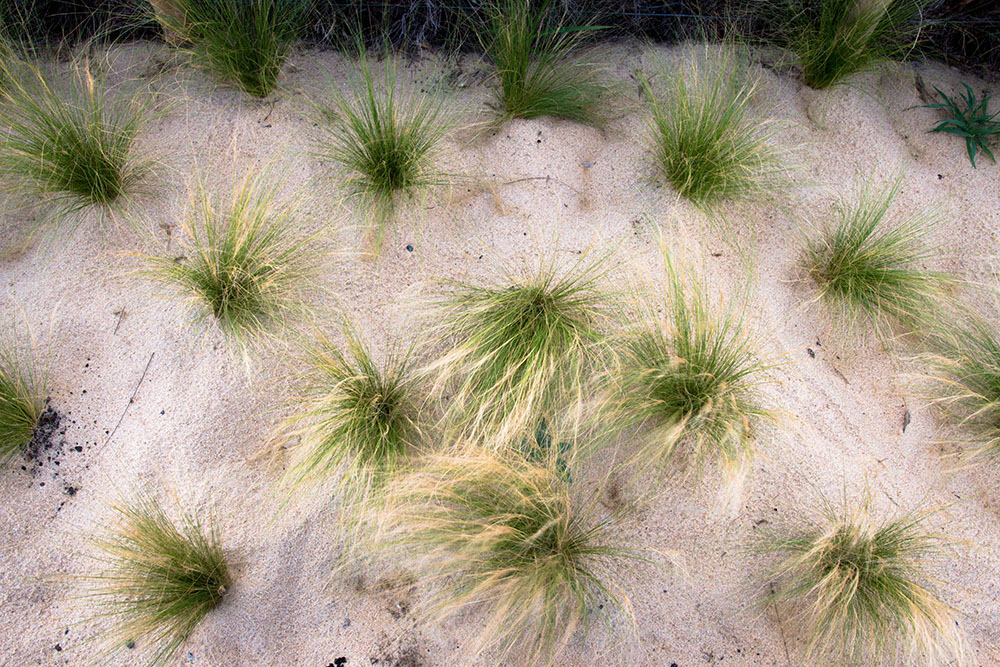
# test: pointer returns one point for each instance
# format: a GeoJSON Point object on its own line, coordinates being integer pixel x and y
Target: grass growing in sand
{"type": "Point", "coordinates": [69, 144]}
{"type": "Point", "coordinates": [505, 535]}
{"type": "Point", "coordinates": [22, 400]}
{"type": "Point", "coordinates": [705, 138]}
{"type": "Point", "coordinates": [243, 42]}
{"type": "Point", "coordinates": [539, 71]}
{"type": "Point", "coordinates": [242, 264]}
{"type": "Point", "coordinates": [687, 378]}
{"type": "Point", "coordinates": [518, 349]}
{"type": "Point", "coordinates": [869, 271]}
{"type": "Point", "coordinates": [355, 413]}
{"type": "Point", "coordinates": [384, 142]}
{"type": "Point", "coordinates": [156, 579]}
{"type": "Point", "coordinates": [858, 585]}
{"type": "Point", "coordinates": [973, 122]}
{"type": "Point", "coordinates": [834, 39]}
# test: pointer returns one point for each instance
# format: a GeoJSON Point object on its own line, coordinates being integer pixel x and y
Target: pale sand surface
{"type": "Point", "coordinates": [198, 420]}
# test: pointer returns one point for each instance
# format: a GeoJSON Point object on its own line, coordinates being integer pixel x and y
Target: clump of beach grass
{"type": "Point", "coordinates": [242, 263]}
{"type": "Point", "coordinates": [504, 535]}
{"type": "Point", "coordinates": [70, 144]}
{"type": "Point", "coordinates": [243, 42]}
{"type": "Point", "coordinates": [385, 143]}
{"type": "Point", "coordinates": [540, 70]}
{"type": "Point", "coordinates": [155, 579]}
{"type": "Point", "coordinates": [687, 379]}
{"type": "Point", "coordinates": [706, 139]}
{"type": "Point", "coordinates": [354, 415]}
{"type": "Point", "coordinates": [518, 349]}
{"type": "Point", "coordinates": [867, 267]}
{"type": "Point", "coordinates": [22, 399]}
{"type": "Point", "coordinates": [858, 585]}
{"type": "Point", "coordinates": [834, 39]}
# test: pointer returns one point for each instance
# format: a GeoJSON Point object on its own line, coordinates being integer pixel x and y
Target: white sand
{"type": "Point", "coordinates": [197, 420]}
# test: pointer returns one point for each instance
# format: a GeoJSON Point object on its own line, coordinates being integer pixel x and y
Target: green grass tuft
{"type": "Point", "coordinates": [858, 586]}
{"type": "Point", "coordinates": [687, 378]}
{"type": "Point", "coordinates": [974, 122]}
{"type": "Point", "coordinates": [518, 351]}
{"type": "Point", "coordinates": [354, 413]}
{"type": "Point", "coordinates": [69, 144]}
{"type": "Point", "coordinates": [834, 39]}
{"type": "Point", "coordinates": [506, 536]}
{"type": "Point", "coordinates": [243, 42]}
{"type": "Point", "coordinates": [241, 263]}
{"type": "Point", "coordinates": [156, 579]}
{"type": "Point", "coordinates": [869, 270]}
{"type": "Point", "coordinates": [22, 401]}
{"type": "Point", "coordinates": [538, 68]}
{"type": "Point", "coordinates": [386, 144]}
{"type": "Point", "coordinates": [705, 138]}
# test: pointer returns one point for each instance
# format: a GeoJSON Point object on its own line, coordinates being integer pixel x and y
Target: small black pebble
{"type": "Point", "coordinates": [940, 177]}
{"type": "Point", "coordinates": [347, 622]}
{"type": "Point", "coordinates": [339, 662]}
{"type": "Point", "coordinates": [131, 644]}
{"type": "Point", "coordinates": [163, 412]}
{"type": "Point", "coordinates": [58, 647]}
{"type": "Point", "coordinates": [409, 248]}
{"type": "Point", "coordinates": [812, 354]}
{"type": "Point", "coordinates": [71, 490]}
{"type": "Point", "coordinates": [673, 664]}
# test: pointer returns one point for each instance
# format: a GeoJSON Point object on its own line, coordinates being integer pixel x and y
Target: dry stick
{"type": "Point", "coordinates": [131, 399]}
{"type": "Point", "coordinates": [547, 179]}
{"type": "Point", "coordinates": [781, 628]}
{"type": "Point", "coordinates": [121, 316]}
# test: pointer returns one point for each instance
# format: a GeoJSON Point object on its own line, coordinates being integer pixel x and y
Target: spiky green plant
{"type": "Point", "coordinates": [241, 262]}
{"type": "Point", "coordinates": [22, 401]}
{"type": "Point", "coordinates": [869, 270]}
{"type": "Point", "coordinates": [965, 381]}
{"type": "Point", "coordinates": [687, 377]}
{"type": "Point", "coordinates": [355, 414]}
{"type": "Point", "coordinates": [858, 585]}
{"type": "Point", "coordinates": [505, 535]}
{"type": "Point", "coordinates": [155, 579]}
{"type": "Point", "coordinates": [834, 39]}
{"type": "Point", "coordinates": [70, 145]}
{"type": "Point", "coordinates": [385, 143]}
{"type": "Point", "coordinates": [705, 137]}
{"type": "Point", "coordinates": [518, 349]}
{"type": "Point", "coordinates": [539, 69]}
{"type": "Point", "coordinates": [243, 42]}
{"type": "Point", "coordinates": [973, 123]}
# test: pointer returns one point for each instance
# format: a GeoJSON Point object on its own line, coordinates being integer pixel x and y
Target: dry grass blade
{"type": "Point", "coordinates": [156, 579]}
{"type": "Point", "coordinates": [22, 400]}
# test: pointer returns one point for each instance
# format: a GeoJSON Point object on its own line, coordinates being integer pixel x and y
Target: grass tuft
{"type": "Point", "coordinates": [687, 378]}
{"type": "Point", "coordinates": [22, 401]}
{"type": "Point", "coordinates": [157, 578]}
{"type": "Point", "coordinates": [69, 144]}
{"type": "Point", "coordinates": [505, 535]}
{"type": "Point", "coordinates": [243, 42]}
{"type": "Point", "coordinates": [705, 138]}
{"type": "Point", "coordinates": [974, 123]}
{"type": "Point", "coordinates": [834, 39]}
{"type": "Point", "coordinates": [518, 351]}
{"type": "Point", "coordinates": [538, 69]}
{"type": "Point", "coordinates": [870, 271]}
{"type": "Point", "coordinates": [386, 144]}
{"type": "Point", "coordinates": [356, 414]}
{"type": "Point", "coordinates": [241, 263]}
{"type": "Point", "coordinates": [857, 584]}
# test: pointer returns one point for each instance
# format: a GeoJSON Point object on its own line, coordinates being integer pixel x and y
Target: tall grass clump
{"type": "Point", "coordinates": [834, 39]}
{"type": "Point", "coordinates": [965, 379]}
{"type": "Point", "coordinates": [858, 586]}
{"type": "Point", "coordinates": [243, 42]}
{"type": "Point", "coordinates": [242, 264]}
{"type": "Point", "coordinates": [22, 401]}
{"type": "Point", "coordinates": [69, 143]}
{"type": "Point", "coordinates": [518, 349]}
{"type": "Point", "coordinates": [385, 143]}
{"type": "Point", "coordinates": [155, 579]}
{"type": "Point", "coordinates": [354, 415]}
{"type": "Point", "coordinates": [706, 139]}
{"type": "Point", "coordinates": [539, 67]}
{"type": "Point", "coordinates": [869, 268]}
{"type": "Point", "coordinates": [687, 380]}
{"type": "Point", "coordinates": [504, 536]}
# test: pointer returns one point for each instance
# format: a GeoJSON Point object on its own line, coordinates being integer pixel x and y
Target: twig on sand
{"type": "Point", "coordinates": [121, 316]}
{"type": "Point", "coordinates": [781, 628]}
{"type": "Point", "coordinates": [131, 399]}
